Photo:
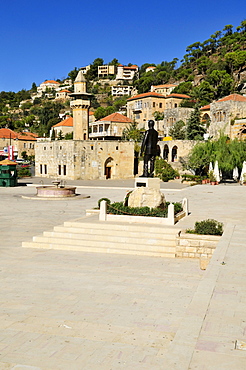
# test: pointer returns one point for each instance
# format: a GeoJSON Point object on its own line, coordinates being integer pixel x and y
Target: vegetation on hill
{"type": "Point", "coordinates": [209, 70]}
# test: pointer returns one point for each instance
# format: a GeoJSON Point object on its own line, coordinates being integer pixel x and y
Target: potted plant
{"type": "Point", "coordinates": [244, 179]}
{"type": "Point", "coordinates": [212, 178]}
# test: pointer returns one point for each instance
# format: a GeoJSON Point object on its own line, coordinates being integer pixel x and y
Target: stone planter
{"type": "Point", "coordinates": [196, 246]}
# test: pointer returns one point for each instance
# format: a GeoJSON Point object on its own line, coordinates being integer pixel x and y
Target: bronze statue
{"type": "Point", "coordinates": [150, 149]}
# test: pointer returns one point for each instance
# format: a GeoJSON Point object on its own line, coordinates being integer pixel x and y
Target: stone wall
{"type": "Point", "coordinates": [221, 114]}
{"type": "Point", "coordinates": [182, 149]}
{"type": "Point", "coordinates": [86, 160]}
{"type": "Point", "coordinates": [196, 246]}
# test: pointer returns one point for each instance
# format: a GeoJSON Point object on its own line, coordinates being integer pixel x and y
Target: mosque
{"type": "Point", "coordinates": [81, 158]}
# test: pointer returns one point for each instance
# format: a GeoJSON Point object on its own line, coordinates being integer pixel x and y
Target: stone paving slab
{"type": "Point", "coordinates": [70, 310]}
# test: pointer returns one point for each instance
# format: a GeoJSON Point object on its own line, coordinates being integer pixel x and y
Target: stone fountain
{"type": "Point", "coordinates": [59, 190]}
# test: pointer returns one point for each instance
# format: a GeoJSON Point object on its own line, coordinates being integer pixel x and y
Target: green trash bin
{"type": "Point", "coordinates": [8, 173]}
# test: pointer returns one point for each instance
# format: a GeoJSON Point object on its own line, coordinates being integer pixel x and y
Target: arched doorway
{"type": "Point", "coordinates": [165, 152]}
{"type": "Point", "coordinates": [174, 153]}
{"type": "Point", "coordinates": [108, 168]}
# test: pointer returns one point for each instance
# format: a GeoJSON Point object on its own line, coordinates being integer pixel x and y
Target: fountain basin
{"type": "Point", "coordinates": [55, 192]}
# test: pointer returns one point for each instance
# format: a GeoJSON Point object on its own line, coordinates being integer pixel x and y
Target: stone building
{"type": "Point", "coordinates": [110, 127]}
{"type": "Point", "coordinates": [224, 113]}
{"type": "Point", "coordinates": [238, 129]}
{"type": "Point", "coordinates": [84, 159]}
{"type": "Point", "coordinates": [141, 107]}
{"type": "Point", "coordinates": [65, 127]}
{"type": "Point", "coordinates": [20, 141]}
{"type": "Point", "coordinates": [63, 95]}
{"type": "Point", "coordinates": [171, 116]}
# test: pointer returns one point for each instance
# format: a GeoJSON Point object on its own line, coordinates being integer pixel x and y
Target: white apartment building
{"type": "Point", "coordinates": [165, 89]}
{"type": "Point", "coordinates": [126, 73]}
{"type": "Point", "coordinates": [48, 84]}
{"type": "Point", "coordinates": [106, 70]}
{"type": "Point", "coordinates": [121, 90]}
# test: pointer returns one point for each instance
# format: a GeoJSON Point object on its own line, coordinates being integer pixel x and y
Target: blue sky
{"type": "Point", "coordinates": [46, 39]}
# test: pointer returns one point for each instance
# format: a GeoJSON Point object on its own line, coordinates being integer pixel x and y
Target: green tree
{"type": "Point", "coordinates": [228, 153]}
{"type": "Point", "coordinates": [228, 29]}
{"type": "Point", "coordinates": [178, 131]}
{"type": "Point", "coordinates": [34, 87]}
{"type": "Point", "coordinates": [203, 94]}
{"type": "Point", "coordinates": [133, 133]}
{"type": "Point", "coordinates": [194, 128]}
{"type": "Point", "coordinates": [60, 135]}
{"type": "Point", "coordinates": [158, 116]}
{"type": "Point", "coordinates": [73, 74]}
{"type": "Point", "coordinates": [114, 62]}
{"type": "Point", "coordinates": [53, 135]}
{"type": "Point", "coordinates": [24, 155]}
{"type": "Point", "coordinates": [69, 136]}
{"type": "Point", "coordinates": [92, 73]}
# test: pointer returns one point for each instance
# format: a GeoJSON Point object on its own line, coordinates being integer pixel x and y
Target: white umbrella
{"type": "Point", "coordinates": [243, 172]}
{"type": "Point", "coordinates": [210, 167]}
{"type": "Point", "coordinates": [235, 174]}
{"type": "Point", "coordinates": [217, 171]}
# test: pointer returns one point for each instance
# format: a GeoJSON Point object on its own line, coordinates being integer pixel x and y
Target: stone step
{"type": "Point", "coordinates": [102, 237]}
{"type": "Point", "coordinates": [94, 249]}
{"type": "Point", "coordinates": [90, 235]}
{"type": "Point", "coordinates": [126, 227]}
{"type": "Point", "coordinates": [116, 233]}
{"type": "Point", "coordinates": [104, 244]}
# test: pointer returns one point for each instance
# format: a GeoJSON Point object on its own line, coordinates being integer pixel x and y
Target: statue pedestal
{"type": "Point", "coordinates": [147, 182]}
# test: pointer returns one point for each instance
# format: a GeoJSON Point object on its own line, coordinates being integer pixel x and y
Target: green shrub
{"type": "Point", "coordinates": [23, 172]}
{"type": "Point", "coordinates": [127, 197]}
{"type": "Point", "coordinates": [164, 170]}
{"type": "Point", "coordinates": [119, 208]}
{"type": "Point", "coordinates": [207, 227]}
{"type": "Point", "coordinates": [108, 201]}
{"type": "Point", "coordinates": [188, 177]}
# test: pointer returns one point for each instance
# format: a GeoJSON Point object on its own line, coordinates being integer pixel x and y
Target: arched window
{"type": "Point", "coordinates": [165, 152]}
{"type": "Point", "coordinates": [174, 153]}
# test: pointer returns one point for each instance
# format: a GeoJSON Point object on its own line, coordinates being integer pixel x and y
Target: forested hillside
{"type": "Point", "coordinates": [209, 70]}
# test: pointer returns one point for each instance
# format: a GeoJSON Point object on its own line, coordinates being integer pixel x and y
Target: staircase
{"type": "Point", "coordinates": [90, 235]}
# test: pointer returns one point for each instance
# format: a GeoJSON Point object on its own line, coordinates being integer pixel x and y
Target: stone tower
{"type": "Point", "coordinates": [80, 105]}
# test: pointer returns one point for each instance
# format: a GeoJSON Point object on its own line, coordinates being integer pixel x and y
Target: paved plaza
{"type": "Point", "coordinates": [75, 310]}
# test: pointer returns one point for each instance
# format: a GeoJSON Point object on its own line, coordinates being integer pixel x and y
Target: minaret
{"type": "Point", "coordinates": [80, 105]}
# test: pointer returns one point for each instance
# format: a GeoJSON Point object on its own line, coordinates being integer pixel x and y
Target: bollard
{"type": "Point", "coordinates": [185, 206]}
{"type": "Point", "coordinates": [170, 214]}
{"type": "Point", "coordinates": [103, 211]}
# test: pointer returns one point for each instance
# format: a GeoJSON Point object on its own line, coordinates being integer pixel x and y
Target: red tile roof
{"type": "Point", "coordinates": [6, 133]}
{"type": "Point", "coordinates": [64, 91]}
{"type": "Point", "coordinates": [205, 107]}
{"type": "Point", "coordinates": [165, 85]}
{"type": "Point", "coordinates": [234, 97]}
{"type": "Point", "coordinates": [66, 122]}
{"type": "Point", "coordinates": [182, 96]}
{"type": "Point", "coordinates": [51, 81]}
{"type": "Point", "coordinates": [27, 136]}
{"type": "Point", "coordinates": [147, 95]}
{"type": "Point", "coordinates": [116, 117]}
{"type": "Point", "coordinates": [130, 67]}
